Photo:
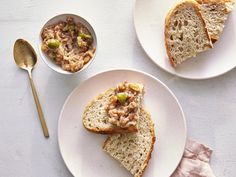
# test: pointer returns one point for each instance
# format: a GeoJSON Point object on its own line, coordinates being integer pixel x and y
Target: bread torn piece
{"type": "Point", "coordinates": [186, 34]}
{"type": "Point", "coordinates": [115, 111]}
{"type": "Point", "coordinates": [215, 13]}
{"type": "Point", "coordinates": [133, 150]}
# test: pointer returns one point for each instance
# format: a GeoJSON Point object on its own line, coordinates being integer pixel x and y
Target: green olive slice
{"type": "Point", "coordinates": [122, 97]}
{"type": "Point", "coordinates": [53, 43]}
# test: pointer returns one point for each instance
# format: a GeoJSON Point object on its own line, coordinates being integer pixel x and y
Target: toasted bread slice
{"type": "Point", "coordinates": [133, 150]}
{"type": "Point", "coordinates": [186, 34]}
{"type": "Point", "coordinates": [96, 118]}
{"type": "Point", "coordinates": [215, 13]}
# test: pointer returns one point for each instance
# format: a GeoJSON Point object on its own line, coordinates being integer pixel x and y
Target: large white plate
{"type": "Point", "coordinates": [149, 17]}
{"type": "Point", "coordinates": [82, 150]}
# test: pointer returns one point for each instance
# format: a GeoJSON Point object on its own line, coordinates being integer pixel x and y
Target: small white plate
{"type": "Point", "coordinates": [82, 150]}
{"type": "Point", "coordinates": [149, 20]}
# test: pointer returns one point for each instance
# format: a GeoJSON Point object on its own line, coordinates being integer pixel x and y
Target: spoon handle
{"type": "Point", "coordinates": [40, 112]}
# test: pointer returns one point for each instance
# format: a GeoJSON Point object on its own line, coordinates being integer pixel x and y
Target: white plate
{"type": "Point", "coordinates": [149, 17]}
{"type": "Point", "coordinates": [82, 150]}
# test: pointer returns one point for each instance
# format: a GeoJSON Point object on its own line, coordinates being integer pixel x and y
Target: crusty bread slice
{"type": "Point", "coordinates": [133, 150]}
{"type": "Point", "coordinates": [95, 117]}
{"type": "Point", "coordinates": [185, 32]}
{"type": "Point", "coordinates": [215, 13]}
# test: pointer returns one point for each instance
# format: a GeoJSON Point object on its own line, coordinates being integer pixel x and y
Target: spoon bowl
{"type": "Point", "coordinates": [24, 54]}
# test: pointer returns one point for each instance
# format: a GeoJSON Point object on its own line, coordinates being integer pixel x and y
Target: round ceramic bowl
{"type": "Point", "coordinates": [62, 17]}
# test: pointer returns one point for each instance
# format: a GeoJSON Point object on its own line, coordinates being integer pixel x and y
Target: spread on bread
{"type": "Point", "coordinates": [123, 105]}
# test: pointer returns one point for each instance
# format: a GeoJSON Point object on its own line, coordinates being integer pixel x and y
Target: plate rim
{"type": "Point", "coordinates": [163, 68]}
{"type": "Point", "coordinates": [113, 70]}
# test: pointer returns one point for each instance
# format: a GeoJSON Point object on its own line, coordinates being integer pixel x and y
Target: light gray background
{"type": "Point", "coordinates": [209, 105]}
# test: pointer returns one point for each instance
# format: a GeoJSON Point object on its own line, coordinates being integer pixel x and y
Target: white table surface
{"type": "Point", "coordinates": [209, 105]}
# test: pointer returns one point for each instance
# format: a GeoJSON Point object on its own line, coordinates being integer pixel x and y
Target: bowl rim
{"type": "Point", "coordinates": [52, 64]}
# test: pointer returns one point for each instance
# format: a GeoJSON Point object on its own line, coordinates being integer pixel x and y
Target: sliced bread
{"type": "Point", "coordinates": [96, 118]}
{"type": "Point", "coordinates": [186, 34]}
{"type": "Point", "coordinates": [215, 13]}
{"type": "Point", "coordinates": [133, 150]}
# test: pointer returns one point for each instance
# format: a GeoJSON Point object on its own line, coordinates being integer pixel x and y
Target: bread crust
{"type": "Point", "coordinates": [214, 1]}
{"type": "Point", "coordinates": [112, 129]}
{"type": "Point", "coordinates": [152, 144]}
{"type": "Point", "coordinates": [144, 165]}
{"type": "Point", "coordinates": [179, 5]}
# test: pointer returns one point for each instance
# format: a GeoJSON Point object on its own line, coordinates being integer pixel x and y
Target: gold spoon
{"type": "Point", "coordinates": [25, 57]}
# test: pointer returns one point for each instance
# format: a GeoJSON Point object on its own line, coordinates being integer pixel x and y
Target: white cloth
{"type": "Point", "coordinates": [195, 161]}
